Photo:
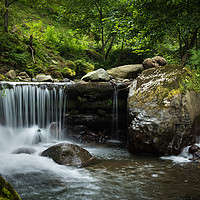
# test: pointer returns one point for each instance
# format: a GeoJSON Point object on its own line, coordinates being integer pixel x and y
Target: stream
{"type": "Point", "coordinates": [119, 175]}
{"type": "Point", "coordinates": [31, 116]}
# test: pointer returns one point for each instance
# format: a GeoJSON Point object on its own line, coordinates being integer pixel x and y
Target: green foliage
{"type": "Point", "coordinates": [115, 32]}
{"type": "Point", "coordinates": [3, 92]}
{"type": "Point", "coordinates": [6, 191]}
{"type": "Point", "coordinates": [195, 58]}
{"type": "Point", "coordinates": [12, 51]}
{"type": "Point", "coordinates": [83, 68]}
{"type": "Point", "coordinates": [124, 57]}
{"type": "Point", "coordinates": [191, 80]}
{"type": "Point", "coordinates": [67, 72]}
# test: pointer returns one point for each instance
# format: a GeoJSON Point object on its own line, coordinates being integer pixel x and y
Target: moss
{"type": "Point", "coordinates": [173, 93]}
{"type": "Point", "coordinates": [72, 65]}
{"type": "Point", "coordinates": [2, 77]}
{"type": "Point", "coordinates": [156, 85]}
{"type": "Point", "coordinates": [6, 191]}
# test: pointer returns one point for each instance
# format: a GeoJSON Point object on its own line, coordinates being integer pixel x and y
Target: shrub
{"type": "Point", "coordinates": [67, 72]}
{"type": "Point", "coordinates": [83, 68]}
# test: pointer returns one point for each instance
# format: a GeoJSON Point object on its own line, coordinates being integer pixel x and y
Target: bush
{"type": "Point", "coordinates": [191, 80]}
{"type": "Point", "coordinates": [194, 59]}
{"type": "Point", "coordinates": [67, 72]}
{"type": "Point", "coordinates": [13, 51]}
{"type": "Point", "coordinates": [83, 68]}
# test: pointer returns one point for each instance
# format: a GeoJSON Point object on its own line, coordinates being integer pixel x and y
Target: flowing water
{"type": "Point", "coordinates": [119, 175]}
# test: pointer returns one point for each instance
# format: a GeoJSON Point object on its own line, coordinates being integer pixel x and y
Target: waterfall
{"type": "Point", "coordinates": [115, 114]}
{"type": "Point", "coordinates": [32, 110]}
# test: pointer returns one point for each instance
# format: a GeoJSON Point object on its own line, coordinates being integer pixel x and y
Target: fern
{"type": "Point", "coordinates": [195, 58]}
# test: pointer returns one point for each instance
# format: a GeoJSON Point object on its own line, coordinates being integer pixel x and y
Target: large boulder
{"type": "Point", "coordinates": [154, 62]}
{"type": "Point", "coordinates": [126, 71]}
{"type": "Point", "coordinates": [69, 154]}
{"type": "Point", "coordinates": [98, 75]}
{"type": "Point", "coordinates": [162, 120]}
{"type": "Point", "coordinates": [7, 191]}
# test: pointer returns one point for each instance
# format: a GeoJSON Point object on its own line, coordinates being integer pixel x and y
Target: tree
{"type": "Point", "coordinates": [97, 18]}
{"type": "Point", "coordinates": [158, 18]}
{"type": "Point", "coordinates": [6, 13]}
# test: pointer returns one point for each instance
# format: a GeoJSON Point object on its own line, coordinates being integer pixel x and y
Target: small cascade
{"type": "Point", "coordinates": [115, 113]}
{"type": "Point", "coordinates": [33, 112]}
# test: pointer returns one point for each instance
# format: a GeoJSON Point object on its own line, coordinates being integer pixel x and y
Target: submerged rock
{"type": "Point", "coordinates": [162, 119]}
{"type": "Point", "coordinates": [69, 154]}
{"type": "Point", "coordinates": [25, 150]}
{"type": "Point", "coordinates": [195, 151]}
{"type": "Point", "coordinates": [7, 191]}
{"type": "Point", "coordinates": [126, 71]}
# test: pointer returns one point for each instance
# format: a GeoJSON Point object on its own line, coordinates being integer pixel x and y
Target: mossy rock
{"type": "Point", "coordinates": [2, 77]}
{"type": "Point", "coordinates": [6, 191]}
{"type": "Point", "coordinates": [161, 117]}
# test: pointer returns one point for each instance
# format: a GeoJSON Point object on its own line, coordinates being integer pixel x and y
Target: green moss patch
{"type": "Point", "coordinates": [7, 192]}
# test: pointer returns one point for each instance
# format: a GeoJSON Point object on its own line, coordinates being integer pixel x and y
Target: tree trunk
{"type": "Point", "coordinates": [6, 16]}
{"type": "Point", "coordinates": [120, 55]}
{"type": "Point", "coordinates": [102, 30]}
{"type": "Point", "coordinates": [191, 45]}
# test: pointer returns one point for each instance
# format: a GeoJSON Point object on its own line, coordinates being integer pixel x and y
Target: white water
{"type": "Point", "coordinates": [28, 111]}
{"type": "Point", "coordinates": [115, 113]}
{"type": "Point", "coordinates": [183, 157]}
{"type": "Point", "coordinates": [26, 114]}
{"type": "Point", "coordinates": [118, 176]}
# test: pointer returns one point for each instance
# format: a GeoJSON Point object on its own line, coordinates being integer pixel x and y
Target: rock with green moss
{"type": "Point", "coordinates": [6, 191]}
{"type": "Point", "coordinates": [162, 119]}
{"type": "Point", "coordinates": [2, 77]}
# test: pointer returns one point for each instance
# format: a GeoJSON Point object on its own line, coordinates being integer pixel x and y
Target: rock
{"type": "Point", "coordinates": [23, 75]}
{"type": "Point", "coordinates": [195, 151]}
{"type": "Point", "coordinates": [69, 154]}
{"type": "Point", "coordinates": [11, 74]}
{"type": "Point", "coordinates": [154, 62]}
{"type": "Point", "coordinates": [98, 75]}
{"type": "Point", "coordinates": [162, 119]}
{"type": "Point", "coordinates": [25, 150]}
{"type": "Point", "coordinates": [192, 149]}
{"type": "Point", "coordinates": [44, 78]}
{"type": "Point", "coordinates": [7, 191]}
{"type": "Point", "coordinates": [160, 60]}
{"type": "Point", "coordinates": [126, 71]}
{"type": "Point", "coordinates": [66, 80]}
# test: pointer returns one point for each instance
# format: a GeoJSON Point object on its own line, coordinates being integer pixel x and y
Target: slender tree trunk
{"type": "Point", "coordinates": [180, 43]}
{"type": "Point", "coordinates": [120, 56]}
{"type": "Point", "coordinates": [190, 46]}
{"type": "Point", "coordinates": [6, 16]}
{"type": "Point", "coordinates": [102, 30]}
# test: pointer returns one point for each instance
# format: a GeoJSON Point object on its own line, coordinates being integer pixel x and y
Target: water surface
{"type": "Point", "coordinates": [119, 175]}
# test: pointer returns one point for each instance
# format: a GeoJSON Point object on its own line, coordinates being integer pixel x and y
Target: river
{"type": "Point", "coordinates": [119, 175]}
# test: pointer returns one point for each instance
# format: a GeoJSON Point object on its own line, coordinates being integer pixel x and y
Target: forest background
{"type": "Point", "coordinates": [70, 38]}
